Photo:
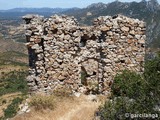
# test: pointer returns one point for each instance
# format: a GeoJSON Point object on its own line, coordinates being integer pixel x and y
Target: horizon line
{"type": "Point", "coordinates": [68, 7]}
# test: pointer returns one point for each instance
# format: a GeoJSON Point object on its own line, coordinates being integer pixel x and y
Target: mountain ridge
{"type": "Point", "coordinates": [148, 11]}
{"type": "Point", "coordinates": [38, 10]}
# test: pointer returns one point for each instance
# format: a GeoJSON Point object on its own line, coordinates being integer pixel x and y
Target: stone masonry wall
{"type": "Point", "coordinates": [85, 59]}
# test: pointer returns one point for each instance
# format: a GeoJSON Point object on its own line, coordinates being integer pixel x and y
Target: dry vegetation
{"type": "Point", "coordinates": [65, 108]}
{"type": "Point", "coordinates": [40, 102]}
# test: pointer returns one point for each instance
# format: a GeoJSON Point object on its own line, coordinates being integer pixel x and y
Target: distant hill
{"type": "Point", "coordinates": [16, 13]}
{"type": "Point", "coordinates": [8, 45]}
{"type": "Point", "coordinates": [36, 10]}
{"type": "Point", "coordinates": [148, 11]}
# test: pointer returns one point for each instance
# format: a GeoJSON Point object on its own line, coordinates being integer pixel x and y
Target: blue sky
{"type": "Point", "coordinates": [8, 4]}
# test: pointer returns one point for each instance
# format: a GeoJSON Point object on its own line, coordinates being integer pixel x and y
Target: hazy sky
{"type": "Point", "coordinates": [7, 4]}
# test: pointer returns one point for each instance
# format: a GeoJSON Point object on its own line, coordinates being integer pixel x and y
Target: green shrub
{"type": "Point", "coordinates": [152, 76]}
{"type": "Point", "coordinates": [128, 96]}
{"type": "Point", "coordinates": [115, 109]}
{"type": "Point", "coordinates": [134, 93]}
{"type": "Point", "coordinates": [128, 84]}
{"type": "Point", "coordinates": [12, 109]}
{"type": "Point", "coordinates": [40, 102]}
{"type": "Point", "coordinates": [15, 81]}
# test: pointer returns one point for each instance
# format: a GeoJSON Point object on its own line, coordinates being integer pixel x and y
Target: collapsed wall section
{"type": "Point", "coordinates": [85, 59]}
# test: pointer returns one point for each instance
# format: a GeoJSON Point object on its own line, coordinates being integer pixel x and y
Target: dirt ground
{"type": "Point", "coordinates": [82, 108]}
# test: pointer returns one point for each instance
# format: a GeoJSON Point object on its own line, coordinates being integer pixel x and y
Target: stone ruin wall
{"type": "Point", "coordinates": [85, 59]}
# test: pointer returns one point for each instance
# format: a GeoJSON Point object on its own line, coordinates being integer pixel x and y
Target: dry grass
{"type": "Point", "coordinates": [62, 93]}
{"type": "Point", "coordinates": [9, 68]}
{"type": "Point", "coordinates": [66, 109]}
{"type": "Point", "coordinates": [40, 102]}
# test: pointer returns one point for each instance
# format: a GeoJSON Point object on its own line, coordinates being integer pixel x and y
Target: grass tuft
{"type": "Point", "coordinates": [40, 102]}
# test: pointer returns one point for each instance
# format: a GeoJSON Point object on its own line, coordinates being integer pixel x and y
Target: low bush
{"type": "Point", "coordinates": [128, 84]}
{"type": "Point", "coordinates": [40, 102]}
{"type": "Point", "coordinates": [14, 81]}
{"type": "Point", "coordinates": [115, 109]}
{"type": "Point", "coordinates": [134, 93]}
{"type": "Point", "coordinates": [12, 109]}
{"type": "Point", "coordinates": [152, 76]}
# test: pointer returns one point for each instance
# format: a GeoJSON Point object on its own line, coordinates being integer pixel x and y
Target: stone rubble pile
{"type": "Point", "coordinates": [63, 54]}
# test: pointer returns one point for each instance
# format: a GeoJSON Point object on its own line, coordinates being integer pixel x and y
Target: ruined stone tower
{"type": "Point", "coordinates": [85, 59]}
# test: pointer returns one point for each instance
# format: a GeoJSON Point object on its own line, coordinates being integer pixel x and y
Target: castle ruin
{"type": "Point", "coordinates": [64, 54]}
